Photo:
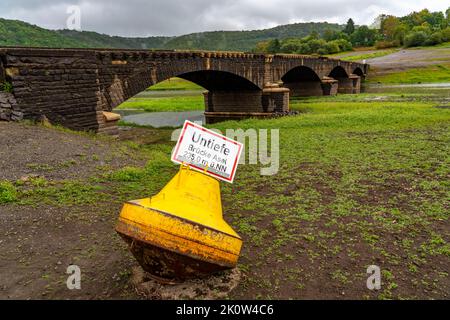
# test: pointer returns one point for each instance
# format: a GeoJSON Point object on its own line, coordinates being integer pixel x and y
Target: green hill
{"type": "Point", "coordinates": [19, 33]}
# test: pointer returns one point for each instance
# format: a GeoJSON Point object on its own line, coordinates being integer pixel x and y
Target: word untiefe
{"type": "Point", "coordinates": [256, 142]}
{"type": "Point", "coordinates": [210, 144]}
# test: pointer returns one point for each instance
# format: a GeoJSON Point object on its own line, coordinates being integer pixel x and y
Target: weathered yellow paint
{"type": "Point", "coordinates": [184, 217]}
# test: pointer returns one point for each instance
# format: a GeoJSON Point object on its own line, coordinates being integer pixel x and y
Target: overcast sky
{"type": "Point", "coordinates": [176, 17]}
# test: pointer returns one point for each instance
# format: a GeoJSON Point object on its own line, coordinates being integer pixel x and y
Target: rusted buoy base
{"type": "Point", "coordinates": [169, 266]}
{"type": "Point", "coordinates": [217, 286]}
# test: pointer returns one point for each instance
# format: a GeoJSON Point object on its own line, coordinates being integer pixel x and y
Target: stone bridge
{"type": "Point", "coordinates": [78, 88]}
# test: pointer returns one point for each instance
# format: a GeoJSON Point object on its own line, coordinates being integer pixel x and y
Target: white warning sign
{"type": "Point", "coordinates": [207, 151]}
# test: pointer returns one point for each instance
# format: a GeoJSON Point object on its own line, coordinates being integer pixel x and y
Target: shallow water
{"type": "Point", "coordinates": [442, 89]}
{"type": "Point", "coordinates": [176, 119]}
{"type": "Point", "coordinates": [161, 119]}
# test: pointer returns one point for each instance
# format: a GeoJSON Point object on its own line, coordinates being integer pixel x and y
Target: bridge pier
{"type": "Point", "coordinates": [329, 86]}
{"type": "Point", "coordinates": [305, 88]}
{"type": "Point", "coordinates": [237, 105]}
{"type": "Point", "coordinates": [349, 85]}
{"type": "Point", "coordinates": [356, 83]}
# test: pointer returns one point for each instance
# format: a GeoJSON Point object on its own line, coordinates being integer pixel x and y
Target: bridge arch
{"type": "Point", "coordinates": [214, 80]}
{"type": "Point", "coordinates": [123, 88]}
{"type": "Point", "coordinates": [338, 72]}
{"type": "Point", "coordinates": [302, 81]}
{"type": "Point", "coordinates": [358, 71]}
{"type": "Point", "coordinates": [347, 83]}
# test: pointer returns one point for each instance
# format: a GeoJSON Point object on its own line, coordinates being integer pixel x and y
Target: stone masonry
{"type": "Point", "coordinates": [78, 88]}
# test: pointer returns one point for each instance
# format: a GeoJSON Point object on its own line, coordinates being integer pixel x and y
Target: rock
{"type": "Point", "coordinates": [43, 120]}
{"type": "Point", "coordinates": [16, 115]}
{"type": "Point", "coordinates": [5, 116]}
{"type": "Point", "coordinates": [28, 177]}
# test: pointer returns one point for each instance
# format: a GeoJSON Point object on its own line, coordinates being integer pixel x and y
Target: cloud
{"type": "Point", "coordinates": [175, 17]}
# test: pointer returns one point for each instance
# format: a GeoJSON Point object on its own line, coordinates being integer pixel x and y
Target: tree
{"type": "Point", "coordinates": [363, 37]}
{"type": "Point", "coordinates": [400, 33]}
{"type": "Point", "coordinates": [350, 27]}
{"type": "Point", "coordinates": [273, 46]}
{"type": "Point", "coordinates": [376, 24]}
{"type": "Point", "coordinates": [388, 27]}
{"type": "Point", "coordinates": [290, 45]}
{"type": "Point", "coordinates": [415, 39]}
{"type": "Point", "coordinates": [314, 35]}
{"type": "Point", "coordinates": [447, 17]}
{"type": "Point", "coordinates": [330, 34]}
{"type": "Point", "coordinates": [261, 47]}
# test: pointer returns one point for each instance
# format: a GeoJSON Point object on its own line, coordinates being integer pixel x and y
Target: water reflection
{"type": "Point", "coordinates": [161, 119]}
{"type": "Point", "coordinates": [425, 91]}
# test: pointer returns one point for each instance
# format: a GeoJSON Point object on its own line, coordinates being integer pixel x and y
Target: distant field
{"type": "Point", "coordinates": [429, 74]}
{"type": "Point", "coordinates": [369, 55]}
{"type": "Point", "coordinates": [176, 84]}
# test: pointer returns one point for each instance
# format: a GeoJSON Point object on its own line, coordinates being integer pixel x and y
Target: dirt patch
{"type": "Point", "coordinates": [408, 59]}
{"type": "Point", "coordinates": [54, 154]}
{"type": "Point", "coordinates": [304, 236]}
{"type": "Point", "coordinates": [217, 286]}
{"type": "Point", "coordinates": [39, 241]}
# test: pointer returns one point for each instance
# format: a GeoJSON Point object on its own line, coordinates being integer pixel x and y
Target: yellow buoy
{"type": "Point", "coordinates": [180, 232]}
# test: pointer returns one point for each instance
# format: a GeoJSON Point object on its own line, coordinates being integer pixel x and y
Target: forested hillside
{"type": "Point", "coordinates": [18, 33]}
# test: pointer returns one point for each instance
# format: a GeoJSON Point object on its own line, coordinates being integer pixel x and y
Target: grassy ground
{"type": "Point", "coordinates": [370, 55]}
{"type": "Point", "coordinates": [360, 183]}
{"type": "Point", "coordinates": [428, 74]}
{"type": "Point", "coordinates": [149, 104]}
{"type": "Point", "coordinates": [175, 84]}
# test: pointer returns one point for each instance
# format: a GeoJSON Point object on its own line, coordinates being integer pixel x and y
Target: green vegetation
{"type": "Point", "coordinates": [8, 192]}
{"type": "Point", "coordinates": [369, 177]}
{"type": "Point", "coordinates": [351, 166]}
{"type": "Point", "coordinates": [18, 33]}
{"type": "Point", "coordinates": [246, 40]}
{"type": "Point", "coordinates": [371, 55]}
{"type": "Point", "coordinates": [175, 84]}
{"type": "Point", "coordinates": [6, 86]}
{"type": "Point", "coordinates": [422, 28]}
{"type": "Point", "coordinates": [429, 74]}
{"type": "Point", "coordinates": [307, 45]}
{"type": "Point", "coordinates": [416, 29]}
{"type": "Point", "coordinates": [182, 103]}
